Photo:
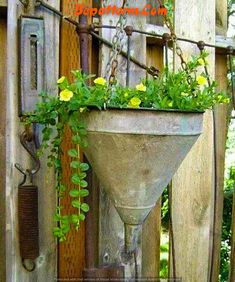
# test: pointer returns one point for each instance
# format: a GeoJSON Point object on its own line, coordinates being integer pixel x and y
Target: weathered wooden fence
{"type": "Point", "coordinates": [196, 190]}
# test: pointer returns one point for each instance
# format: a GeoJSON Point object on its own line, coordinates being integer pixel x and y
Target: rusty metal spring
{"type": "Point", "coordinates": [28, 221]}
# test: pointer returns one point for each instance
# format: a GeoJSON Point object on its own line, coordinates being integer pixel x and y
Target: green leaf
{"type": "Point", "coordinates": [82, 216]}
{"type": "Point", "coordinates": [73, 153]}
{"type": "Point", "coordinates": [76, 179]}
{"type": "Point", "coordinates": [82, 175]}
{"type": "Point", "coordinates": [57, 164]}
{"type": "Point", "coordinates": [74, 193]}
{"type": "Point", "coordinates": [84, 166]}
{"type": "Point", "coordinates": [75, 164]}
{"type": "Point", "coordinates": [82, 132]}
{"type": "Point", "coordinates": [76, 139]}
{"type": "Point", "coordinates": [65, 228]}
{"type": "Point", "coordinates": [84, 143]}
{"type": "Point", "coordinates": [75, 218]}
{"type": "Point", "coordinates": [83, 192]}
{"type": "Point", "coordinates": [85, 207]}
{"type": "Point", "coordinates": [76, 204]}
{"type": "Point", "coordinates": [83, 183]}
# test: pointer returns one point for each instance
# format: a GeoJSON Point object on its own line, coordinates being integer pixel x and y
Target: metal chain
{"type": "Point", "coordinates": [118, 44]}
{"type": "Point", "coordinates": [178, 49]}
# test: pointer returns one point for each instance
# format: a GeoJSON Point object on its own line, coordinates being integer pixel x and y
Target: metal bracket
{"type": "Point", "coordinates": [31, 62]}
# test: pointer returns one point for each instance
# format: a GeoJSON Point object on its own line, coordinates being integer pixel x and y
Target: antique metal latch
{"type": "Point", "coordinates": [31, 31]}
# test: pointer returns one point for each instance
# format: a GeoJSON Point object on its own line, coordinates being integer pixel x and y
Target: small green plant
{"type": "Point", "coordinates": [182, 90]}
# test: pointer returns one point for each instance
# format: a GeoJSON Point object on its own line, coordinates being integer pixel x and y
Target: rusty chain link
{"type": "Point", "coordinates": [118, 43]}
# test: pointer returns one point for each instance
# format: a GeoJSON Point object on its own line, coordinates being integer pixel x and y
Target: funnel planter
{"type": "Point", "coordinates": [135, 153]}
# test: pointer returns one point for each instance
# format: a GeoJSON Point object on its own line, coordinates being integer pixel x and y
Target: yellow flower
{"type": "Point", "coordinates": [100, 81]}
{"type": "Point", "coordinates": [226, 100]}
{"type": "Point", "coordinates": [126, 94]}
{"type": "Point", "coordinates": [201, 80]}
{"type": "Point", "coordinates": [141, 87]}
{"type": "Point", "coordinates": [134, 102]}
{"type": "Point", "coordinates": [202, 62]}
{"type": "Point", "coordinates": [81, 110]}
{"type": "Point", "coordinates": [61, 80]}
{"type": "Point", "coordinates": [184, 94]}
{"type": "Point", "coordinates": [66, 95]}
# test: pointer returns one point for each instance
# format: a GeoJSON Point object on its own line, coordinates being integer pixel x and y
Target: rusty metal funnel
{"type": "Point", "coordinates": [135, 153]}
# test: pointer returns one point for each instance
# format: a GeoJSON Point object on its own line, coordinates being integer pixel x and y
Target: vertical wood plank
{"type": "Point", "coordinates": [71, 253]}
{"type": "Point", "coordinates": [221, 126]}
{"type": "Point", "coordinates": [46, 263]}
{"type": "Point", "coordinates": [3, 60]}
{"type": "Point", "coordinates": [193, 184]}
{"type": "Point", "coordinates": [152, 226]}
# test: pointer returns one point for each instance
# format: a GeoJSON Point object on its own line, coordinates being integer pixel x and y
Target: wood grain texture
{"type": "Point", "coordinates": [193, 184]}
{"type": "Point", "coordinates": [71, 254]}
{"type": "Point", "coordinates": [46, 263]}
{"type": "Point", "coordinates": [221, 17]}
{"type": "Point", "coordinates": [221, 126]}
{"type": "Point", "coordinates": [3, 60]}
{"type": "Point", "coordinates": [152, 226]}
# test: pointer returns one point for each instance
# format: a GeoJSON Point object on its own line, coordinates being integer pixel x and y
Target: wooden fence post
{"type": "Point", "coordinates": [3, 60]}
{"type": "Point", "coordinates": [193, 184]}
{"type": "Point", "coordinates": [152, 226]}
{"type": "Point", "coordinates": [46, 263]}
{"type": "Point", "coordinates": [221, 125]}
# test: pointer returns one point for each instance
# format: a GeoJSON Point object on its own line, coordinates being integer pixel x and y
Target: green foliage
{"type": "Point", "coordinates": [181, 90]}
{"type": "Point", "coordinates": [226, 227]}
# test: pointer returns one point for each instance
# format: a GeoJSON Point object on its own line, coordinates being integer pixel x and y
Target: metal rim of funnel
{"type": "Point", "coordinates": [176, 123]}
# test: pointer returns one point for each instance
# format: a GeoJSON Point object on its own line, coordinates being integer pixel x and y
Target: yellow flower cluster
{"type": "Point", "coordinates": [134, 102]}
{"type": "Point", "coordinates": [141, 87]}
{"type": "Point", "coordinates": [66, 95]}
{"type": "Point", "coordinates": [201, 80]}
{"type": "Point", "coordinates": [202, 62]}
{"type": "Point", "coordinates": [100, 81]}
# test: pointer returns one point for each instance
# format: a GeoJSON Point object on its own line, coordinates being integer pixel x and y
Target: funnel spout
{"type": "Point", "coordinates": [132, 237]}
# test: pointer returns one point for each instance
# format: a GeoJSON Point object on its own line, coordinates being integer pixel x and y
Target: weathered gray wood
{"type": "Point", "coordinates": [221, 125]}
{"type": "Point", "coordinates": [221, 17]}
{"type": "Point", "coordinates": [193, 184]}
{"type": "Point", "coordinates": [111, 240]}
{"type": "Point", "coordinates": [46, 263]}
{"type": "Point", "coordinates": [3, 59]}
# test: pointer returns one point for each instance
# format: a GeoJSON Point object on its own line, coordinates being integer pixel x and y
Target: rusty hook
{"type": "Point", "coordinates": [27, 140]}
